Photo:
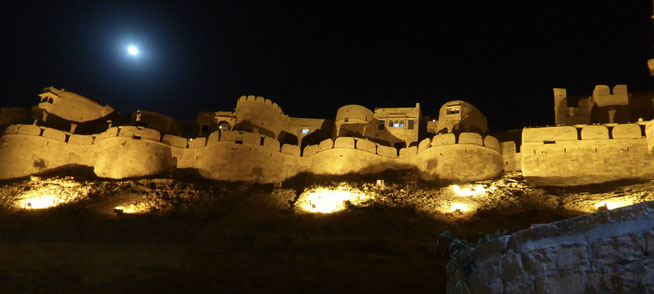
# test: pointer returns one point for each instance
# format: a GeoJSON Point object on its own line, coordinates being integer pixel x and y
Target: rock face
{"type": "Point", "coordinates": [606, 252]}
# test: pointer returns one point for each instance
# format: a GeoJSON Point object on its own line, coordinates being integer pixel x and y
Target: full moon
{"type": "Point", "coordinates": [133, 50]}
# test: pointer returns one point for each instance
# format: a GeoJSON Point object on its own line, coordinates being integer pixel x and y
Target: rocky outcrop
{"type": "Point", "coordinates": [606, 252]}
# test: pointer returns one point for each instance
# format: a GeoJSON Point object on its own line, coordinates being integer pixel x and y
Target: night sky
{"type": "Point", "coordinates": [315, 57]}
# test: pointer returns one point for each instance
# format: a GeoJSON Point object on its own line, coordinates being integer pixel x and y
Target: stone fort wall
{"type": "Point", "coordinates": [129, 151]}
{"type": "Point", "coordinates": [586, 154]}
{"type": "Point", "coordinates": [606, 252]}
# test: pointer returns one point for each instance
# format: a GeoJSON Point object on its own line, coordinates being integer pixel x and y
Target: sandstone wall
{"type": "Point", "coordinates": [556, 156]}
{"type": "Point", "coordinates": [260, 114]}
{"type": "Point", "coordinates": [606, 252]}
{"type": "Point", "coordinates": [468, 160]}
{"type": "Point", "coordinates": [25, 151]}
{"type": "Point", "coordinates": [122, 152]}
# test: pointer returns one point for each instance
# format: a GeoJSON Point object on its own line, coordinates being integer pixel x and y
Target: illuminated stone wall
{"type": "Point", "coordinates": [585, 155]}
{"type": "Point", "coordinates": [606, 252]}
{"type": "Point", "coordinates": [129, 151]}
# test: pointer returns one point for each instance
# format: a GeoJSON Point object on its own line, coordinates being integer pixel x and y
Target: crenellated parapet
{"type": "Point", "coordinates": [130, 151]}
{"type": "Point", "coordinates": [585, 154]}
{"type": "Point", "coordinates": [258, 99]}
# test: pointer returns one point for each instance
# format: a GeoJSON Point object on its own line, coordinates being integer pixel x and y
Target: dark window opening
{"type": "Point", "coordinates": [450, 110]}
{"type": "Point", "coordinates": [67, 137]}
{"type": "Point", "coordinates": [346, 120]}
{"type": "Point", "coordinates": [578, 133]}
{"type": "Point", "coordinates": [135, 137]}
{"type": "Point", "coordinates": [381, 125]}
{"type": "Point", "coordinates": [610, 132]}
{"type": "Point", "coordinates": [549, 142]}
{"type": "Point", "coordinates": [238, 141]}
{"type": "Point", "coordinates": [50, 100]}
{"type": "Point", "coordinates": [262, 140]}
{"type": "Point", "coordinates": [642, 131]}
{"type": "Point", "coordinates": [410, 124]}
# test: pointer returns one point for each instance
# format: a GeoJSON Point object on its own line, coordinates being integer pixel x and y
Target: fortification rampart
{"type": "Point", "coordinates": [129, 151]}
{"type": "Point", "coordinates": [550, 156]}
{"type": "Point", "coordinates": [585, 154]}
{"type": "Point", "coordinates": [260, 115]}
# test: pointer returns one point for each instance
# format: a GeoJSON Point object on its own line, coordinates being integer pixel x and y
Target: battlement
{"type": "Point", "coordinates": [584, 154]}
{"type": "Point", "coordinates": [128, 151]}
{"type": "Point", "coordinates": [552, 135]}
{"type": "Point", "coordinates": [259, 99]}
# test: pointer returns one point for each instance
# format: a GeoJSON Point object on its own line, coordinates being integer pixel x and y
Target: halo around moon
{"type": "Point", "coordinates": [132, 50]}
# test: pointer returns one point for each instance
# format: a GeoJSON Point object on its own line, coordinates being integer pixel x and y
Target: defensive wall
{"type": "Point", "coordinates": [586, 154]}
{"type": "Point", "coordinates": [606, 252]}
{"type": "Point", "coordinates": [129, 151]}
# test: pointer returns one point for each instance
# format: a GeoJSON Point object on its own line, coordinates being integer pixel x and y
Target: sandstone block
{"type": "Point", "coordinates": [291, 149]}
{"type": "Point", "coordinates": [80, 140]}
{"type": "Point", "coordinates": [11, 129]}
{"type": "Point", "coordinates": [175, 141]}
{"type": "Point", "coordinates": [572, 257]}
{"type": "Point", "coordinates": [595, 133]}
{"type": "Point", "coordinates": [626, 131]}
{"type": "Point", "coordinates": [508, 147]}
{"type": "Point", "coordinates": [310, 150]}
{"type": "Point", "coordinates": [492, 143]}
{"type": "Point", "coordinates": [29, 130]}
{"type": "Point", "coordinates": [344, 142]}
{"type": "Point", "coordinates": [444, 139]}
{"type": "Point", "coordinates": [470, 138]}
{"type": "Point", "coordinates": [197, 142]}
{"type": "Point", "coordinates": [213, 138]}
{"type": "Point", "coordinates": [539, 262]}
{"type": "Point", "coordinates": [54, 134]}
{"type": "Point", "coordinates": [511, 265]}
{"type": "Point", "coordinates": [386, 151]}
{"type": "Point", "coordinates": [408, 152]}
{"type": "Point", "coordinates": [326, 144]}
{"type": "Point", "coordinates": [553, 134]}
{"type": "Point", "coordinates": [363, 144]}
{"type": "Point", "coordinates": [424, 144]}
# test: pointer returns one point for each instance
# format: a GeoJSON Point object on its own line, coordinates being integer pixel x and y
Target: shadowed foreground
{"type": "Point", "coordinates": [206, 236]}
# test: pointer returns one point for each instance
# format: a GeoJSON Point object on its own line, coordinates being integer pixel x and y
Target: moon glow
{"type": "Point", "coordinates": [133, 50]}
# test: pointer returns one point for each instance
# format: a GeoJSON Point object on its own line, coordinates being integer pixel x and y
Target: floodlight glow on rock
{"type": "Point", "coordinates": [459, 207]}
{"type": "Point", "coordinates": [40, 202]}
{"type": "Point", "coordinates": [476, 190]}
{"type": "Point", "coordinates": [613, 204]}
{"type": "Point", "coordinates": [328, 200]}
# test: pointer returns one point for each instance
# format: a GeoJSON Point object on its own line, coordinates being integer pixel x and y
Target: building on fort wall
{"type": "Point", "coordinates": [74, 113]}
{"type": "Point", "coordinates": [255, 142]}
{"type": "Point", "coordinates": [603, 106]}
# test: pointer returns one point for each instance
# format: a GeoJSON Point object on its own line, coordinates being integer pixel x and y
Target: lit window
{"type": "Point", "coordinates": [401, 123]}
{"type": "Point", "coordinates": [410, 124]}
{"type": "Point", "coordinates": [381, 125]}
{"type": "Point", "coordinates": [396, 124]}
{"type": "Point", "coordinates": [305, 131]}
